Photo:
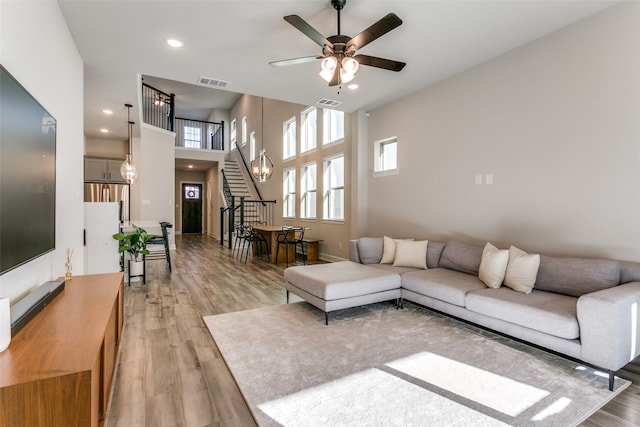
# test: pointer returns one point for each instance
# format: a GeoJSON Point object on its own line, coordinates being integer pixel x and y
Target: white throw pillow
{"type": "Point", "coordinates": [522, 270]}
{"type": "Point", "coordinates": [411, 254]}
{"type": "Point", "coordinates": [389, 250]}
{"type": "Point", "coordinates": [493, 265]}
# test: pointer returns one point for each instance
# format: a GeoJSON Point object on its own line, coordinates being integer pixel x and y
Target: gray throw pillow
{"type": "Point", "coordinates": [434, 252]}
{"type": "Point", "coordinates": [370, 249]}
{"type": "Point", "coordinates": [461, 257]}
{"type": "Point", "coordinates": [576, 276]}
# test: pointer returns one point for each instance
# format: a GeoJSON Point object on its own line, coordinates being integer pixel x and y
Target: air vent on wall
{"type": "Point", "coordinates": [212, 82]}
{"type": "Point", "coordinates": [328, 102]}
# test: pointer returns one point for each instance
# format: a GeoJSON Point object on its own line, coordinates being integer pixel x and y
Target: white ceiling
{"type": "Point", "coordinates": [235, 40]}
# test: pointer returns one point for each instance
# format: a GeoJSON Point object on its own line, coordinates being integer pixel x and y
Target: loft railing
{"type": "Point", "coordinates": [158, 107]}
{"type": "Point", "coordinates": [199, 134]}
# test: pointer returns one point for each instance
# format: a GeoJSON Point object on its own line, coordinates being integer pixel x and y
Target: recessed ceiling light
{"type": "Point", "coordinates": [174, 43]}
{"type": "Point", "coordinates": [103, 130]}
{"type": "Point", "coordinates": [190, 166]}
{"type": "Point", "coordinates": [353, 86]}
{"type": "Point", "coordinates": [107, 111]}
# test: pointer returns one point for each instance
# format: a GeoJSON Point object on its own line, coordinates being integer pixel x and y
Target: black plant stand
{"type": "Point", "coordinates": [143, 275]}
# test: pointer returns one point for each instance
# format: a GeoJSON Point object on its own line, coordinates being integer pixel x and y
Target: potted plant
{"type": "Point", "coordinates": [135, 244]}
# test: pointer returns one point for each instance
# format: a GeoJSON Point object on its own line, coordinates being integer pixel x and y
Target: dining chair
{"type": "Point", "coordinates": [291, 236]}
{"type": "Point", "coordinates": [251, 237]}
{"type": "Point", "coordinates": [158, 246]}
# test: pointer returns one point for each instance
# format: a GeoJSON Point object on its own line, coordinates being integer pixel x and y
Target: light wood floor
{"type": "Point", "coordinates": [171, 373]}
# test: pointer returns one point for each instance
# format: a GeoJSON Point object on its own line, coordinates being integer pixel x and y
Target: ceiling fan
{"type": "Point", "coordinates": [339, 59]}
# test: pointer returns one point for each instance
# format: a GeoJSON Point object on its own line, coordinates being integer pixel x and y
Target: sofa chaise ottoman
{"type": "Point", "coordinates": [340, 285]}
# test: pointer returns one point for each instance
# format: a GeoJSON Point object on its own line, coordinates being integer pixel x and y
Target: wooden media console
{"type": "Point", "coordinates": [59, 368]}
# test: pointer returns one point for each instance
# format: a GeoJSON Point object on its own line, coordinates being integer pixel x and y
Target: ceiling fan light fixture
{"type": "Point", "coordinates": [328, 67]}
{"type": "Point", "coordinates": [350, 65]}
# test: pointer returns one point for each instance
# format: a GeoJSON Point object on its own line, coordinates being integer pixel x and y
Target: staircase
{"type": "Point", "coordinates": [239, 188]}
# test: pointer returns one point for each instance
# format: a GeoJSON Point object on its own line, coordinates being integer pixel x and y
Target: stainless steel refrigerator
{"type": "Point", "coordinates": [119, 193]}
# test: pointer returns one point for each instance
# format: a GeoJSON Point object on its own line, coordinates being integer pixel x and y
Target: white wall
{"type": "Point", "coordinates": [557, 124]}
{"type": "Point", "coordinates": [38, 50]}
{"type": "Point", "coordinates": [153, 195]}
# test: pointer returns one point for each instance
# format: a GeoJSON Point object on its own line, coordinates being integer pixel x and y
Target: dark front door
{"type": "Point", "coordinates": [191, 208]}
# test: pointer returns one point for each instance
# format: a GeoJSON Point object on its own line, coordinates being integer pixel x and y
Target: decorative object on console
{"type": "Point", "coordinates": [5, 324]}
{"type": "Point", "coordinates": [67, 265]}
{"type": "Point", "coordinates": [339, 60]}
{"type": "Point", "coordinates": [128, 169]}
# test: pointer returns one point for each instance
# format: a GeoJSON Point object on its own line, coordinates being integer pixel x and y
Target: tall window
{"type": "Point", "coordinates": [309, 118]}
{"type": "Point", "coordinates": [308, 187]}
{"type": "Point", "coordinates": [385, 154]}
{"type": "Point", "coordinates": [244, 130]}
{"type": "Point", "coordinates": [332, 126]}
{"type": "Point", "coordinates": [192, 137]}
{"type": "Point", "coordinates": [289, 138]}
{"type": "Point", "coordinates": [252, 146]}
{"type": "Point", "coordinates": [333, 200]}
{"type": "Point", "coordinates": [289, 193]}
{"type": "Point", "coordinates": [233, 134]}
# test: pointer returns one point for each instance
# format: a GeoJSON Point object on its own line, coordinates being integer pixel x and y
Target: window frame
{"type": "Point", "coordinates": [289, 193]}
{"type": "Point", "coordinates": [329, 188]}
{"type": "Point", "coordinates": [233, 134]}
{"type": "Point", "coordinates": [329, 127]}
{"type": "Point", "coordinates": [252, 145]}
{"type": "Point", "coordinates": [307, 134]}
{"type": "Point", "coordinates": [378, 153]}
{"type": "Point", "coordinates": [289, 138]}
{"type": "Point", "coordinates": [308, 196]}
{"type": "Point", "coordinates": [244, 131]}
{"type": "Point", "coordinates": [186, 132]}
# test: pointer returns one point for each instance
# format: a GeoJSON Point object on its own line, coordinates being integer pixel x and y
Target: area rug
{"type": "Point", "coordinates": [378, 366]}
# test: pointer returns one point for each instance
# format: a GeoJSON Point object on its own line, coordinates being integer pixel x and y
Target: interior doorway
{"type": "Point", "coordinates": [191, 208]}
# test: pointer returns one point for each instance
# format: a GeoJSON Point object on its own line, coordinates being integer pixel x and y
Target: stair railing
{"type": "Point", "coordinates": [246, 167]}
{"type": "Point", "coordinates": [226, 189]}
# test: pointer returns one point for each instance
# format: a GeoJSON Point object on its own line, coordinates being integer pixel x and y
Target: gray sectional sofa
{"type": "Point", "coordinates": [584, 308]}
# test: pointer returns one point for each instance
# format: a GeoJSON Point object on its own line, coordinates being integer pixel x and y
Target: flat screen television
{"type": "Point", "coordinates": [27, 176]}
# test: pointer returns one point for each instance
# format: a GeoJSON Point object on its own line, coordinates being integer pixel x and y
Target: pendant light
{"type": "Point", "coordinates": [128, 169]}
{"type": "Point", "coordinates": [262, 166]}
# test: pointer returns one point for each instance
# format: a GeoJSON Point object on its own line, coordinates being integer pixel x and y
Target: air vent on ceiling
{"type": "Point", "coordinates": [328, 102]}
{"type": "Point", "coordinates": [212, 82]}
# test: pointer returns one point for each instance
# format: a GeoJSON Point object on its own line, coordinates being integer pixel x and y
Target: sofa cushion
{"type": "Point", "coordinates": [576, 276]}
{"type": "Point", "coordinates": [434, 252]}
{"type": "Point", "coordinates": [546, 312]}
{"type": "Point", "coordinates": [391, 268]}
{"type": "Point", "coordinates": [345, 279]}
{"type": "Point", "coordinates": [461, 257]}
{"type": "Point", "coordinates": [370, 249]}
{"type": "Point", "coordinates": [442, 284]}
{"type": "Point", "coordinates": [493, 266]}
{"type": "Point", "coordinates": [411, 254]}
{"type": "Point", "coordinates": [522, 270]}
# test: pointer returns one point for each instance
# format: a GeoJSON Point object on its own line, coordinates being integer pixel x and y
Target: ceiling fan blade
{"type": "Point", "coordinates": [335, 80]}
{"type": "Point", "coordinates": [294, 61]}
{"type": "Point", "coordinates": [380, 28]}
{"type": "Point", "coordinates": [386, 64]}
{"type": "Point", "coordinates": [308, 30]}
